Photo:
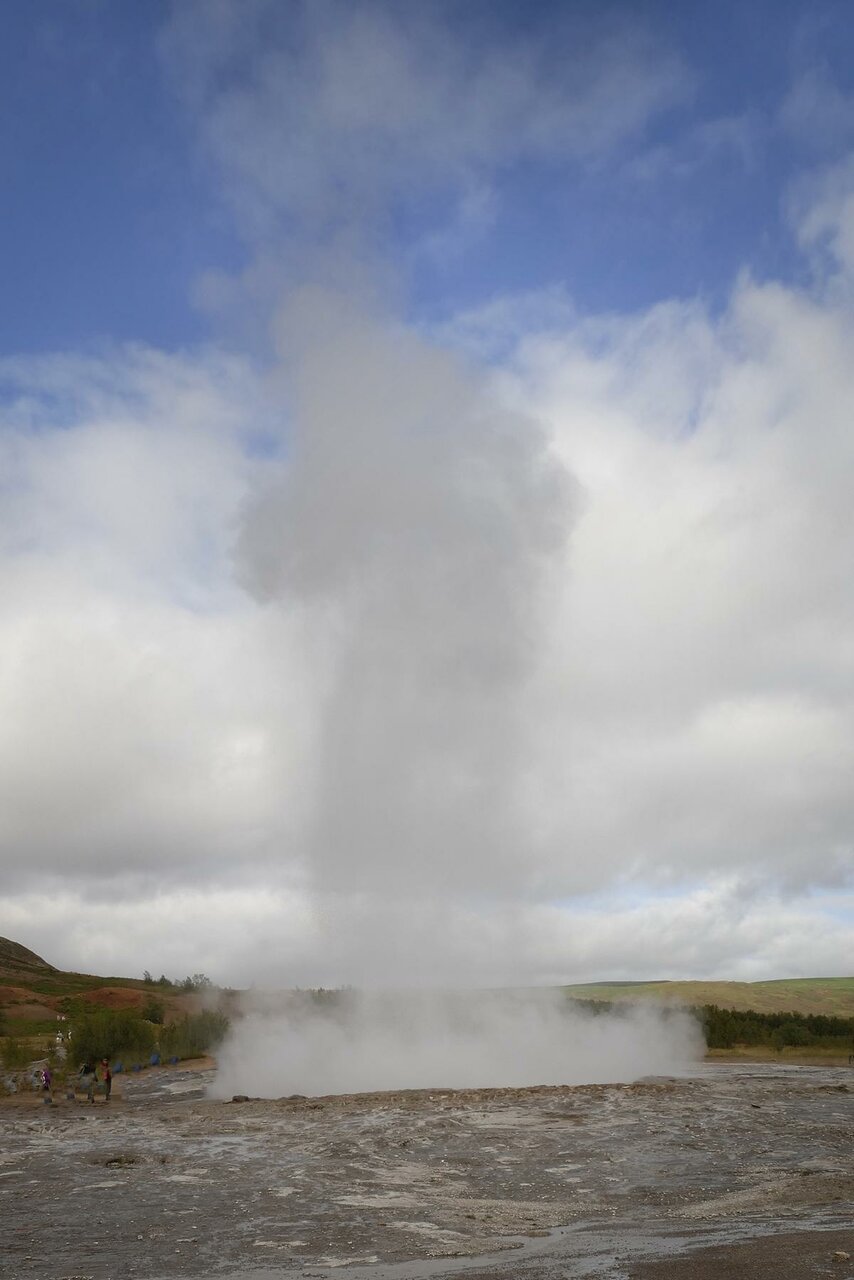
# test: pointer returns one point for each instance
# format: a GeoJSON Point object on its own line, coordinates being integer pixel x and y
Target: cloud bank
{"type": "Point", "coordinates": [669, 713]}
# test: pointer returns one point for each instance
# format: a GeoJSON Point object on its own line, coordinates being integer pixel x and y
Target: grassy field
{"type": "Point", "coordinates": [833, 996]}
{"type": "Point", "coordinates": [810, 1056]}
{"type": "Point", "coordinates": [75, 984]}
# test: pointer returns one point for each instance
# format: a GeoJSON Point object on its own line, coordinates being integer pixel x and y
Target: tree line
{"type": "Point", "coordinates": [192, 982]}
{"type": "Point", "coordinates": [114, 1033]}
{"type": "Point", "coordinates": [724, 1028]}
{"type": "Point", "coordinates": [127, 1036]}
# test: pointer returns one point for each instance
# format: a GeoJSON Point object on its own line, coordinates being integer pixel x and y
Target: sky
{"type": "Point", "coordinates": [425, 490]}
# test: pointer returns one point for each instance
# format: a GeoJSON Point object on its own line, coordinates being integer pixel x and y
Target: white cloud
{"type": "Point", "coordinates": [728, 140]}
{"type": "Point", "coordinates": [235, 933]}
{"type": "Point", "coordinates": [816, 112]}
{"type": "Point", "coordinates": [252, 933]}
{"type": "Point", "coordinates": [327, 114]}
{"type": "Point", "coordinates": [701, 660]}
{"type": "Point", "coordinates": [822, 209]}
{"type": "Point", "coordinates": [139, 732]}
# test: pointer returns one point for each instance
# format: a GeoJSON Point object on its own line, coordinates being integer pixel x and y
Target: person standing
{"type": "Point", "coordinates": [47, 1085]}
{"type": "Point", "coordinates": [108, 1079]}
{"type": "Point", "coordinates": [88, 1076]}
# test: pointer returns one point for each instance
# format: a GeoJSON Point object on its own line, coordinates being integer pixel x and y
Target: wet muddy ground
{"type": "Point", "coordinates": [739, 1171]}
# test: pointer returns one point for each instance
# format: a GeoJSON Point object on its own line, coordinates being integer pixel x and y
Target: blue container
{"type": "Point", "coordinates": [174, 1059]}
{"type": "Point", "coordinates": [155, 1060]}
{"type": "Point", "coordinates": [118, 1069]}
{"type": "Point", "coordinates": [136, 1067]}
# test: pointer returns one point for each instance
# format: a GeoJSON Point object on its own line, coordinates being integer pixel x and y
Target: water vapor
{"type": "Point", "coordinates": [360, 1042]}
{"type": "Point", "coordinates": [413, 530]}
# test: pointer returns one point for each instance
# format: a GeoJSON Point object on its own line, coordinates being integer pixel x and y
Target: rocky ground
{"type": "Point", "coordinates": [739, 1171]}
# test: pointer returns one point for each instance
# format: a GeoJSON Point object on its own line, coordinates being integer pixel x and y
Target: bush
{"type": "Point", "coordinates": [794, 1033]}
{"type": "Point", "coordinates": [195, 982]}
{"type": "Point", "coordinates": [105, 1033]}
{"type": "Point", "coordinates": [193, 1035]}
{"type": "Point", "coordinates": [153, 1010]}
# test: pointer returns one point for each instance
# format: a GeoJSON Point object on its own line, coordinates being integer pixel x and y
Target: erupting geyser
{"type": "Point", "coordinates": [355, 1042]}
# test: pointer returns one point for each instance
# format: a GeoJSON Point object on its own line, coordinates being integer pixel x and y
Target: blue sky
{"type": "Point", "coordinates": [425, 460]}
{"type": "Point", "coordinates": [105, 219]}
{"type": "Point", "coordinates": [111, 213]}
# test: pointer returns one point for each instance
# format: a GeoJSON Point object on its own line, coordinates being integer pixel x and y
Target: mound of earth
{"type": "Point", "coordinates": [21, 996]}
{"type": "Point", "coordinates": [31, 1011]}
{"type": "Point", "coordinates": [117, 998]}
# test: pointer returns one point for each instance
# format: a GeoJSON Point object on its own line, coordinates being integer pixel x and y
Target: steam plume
{"type": "Point", "coordinates": [413, 528]}
{"type": "Point", "coordinates": [363, 1042]}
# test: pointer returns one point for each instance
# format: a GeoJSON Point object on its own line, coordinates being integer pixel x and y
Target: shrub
{"type": "Point", "coordinates": [153, 1010]}
{"type": "Point", "coordinates": [193, 1035]}
{"type": "Point", "coordinates": [105, 1033]}
{"type": "Point", "coordinates": [794, 1033]}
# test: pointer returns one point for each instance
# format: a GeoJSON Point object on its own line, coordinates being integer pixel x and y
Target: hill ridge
{"type": "Point", "coordinates": [15, 956]}
{"type": "Point", "coordinates": [833, 996]}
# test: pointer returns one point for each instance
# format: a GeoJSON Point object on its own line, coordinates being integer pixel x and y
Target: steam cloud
{"type": "Point", "coordinates": [413, 531]}
{"type": "Point", "coordinates": [370, 1041]}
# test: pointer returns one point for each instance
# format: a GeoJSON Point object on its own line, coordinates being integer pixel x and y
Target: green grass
{"type": "Point", "coordinates": [801, 995]}
{"type": "Point", "coordinates": [18, 1027]}
{"type": "Point", "coordinates": [71, 984]}
{"type": "Point", "coordinates": [808, 1055]}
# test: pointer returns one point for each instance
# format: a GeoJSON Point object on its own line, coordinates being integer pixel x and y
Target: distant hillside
{"type": "Point", "coordinates": [31, 988]}
{"type": "Point", "coordinates": [15, 959]}
{"type": "Point", "coordinates": [33, 992]}
{"type": "Point", "coordinates": [834, 996]}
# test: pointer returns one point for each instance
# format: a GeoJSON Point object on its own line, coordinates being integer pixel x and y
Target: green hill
{"type": "Point", "coordinates": [33, 992]}
{"type": "Point", "coordinates": [833, 996]}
